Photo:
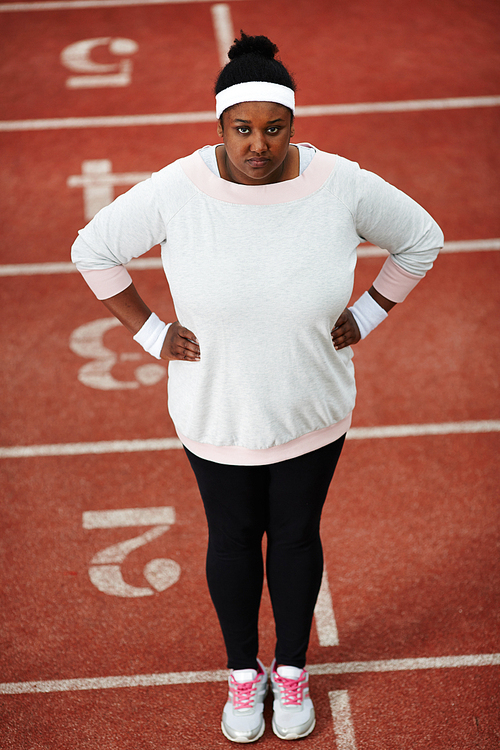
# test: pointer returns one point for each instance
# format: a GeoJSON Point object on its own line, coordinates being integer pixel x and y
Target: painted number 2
{"type": "Point", "coordinates": [105, 567]}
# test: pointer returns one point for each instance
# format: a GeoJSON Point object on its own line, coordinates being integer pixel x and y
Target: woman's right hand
{"type": "Point", "coordinates": [180, 343]}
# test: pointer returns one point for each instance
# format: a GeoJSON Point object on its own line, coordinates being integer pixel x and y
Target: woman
{"type": "Point", "coordinates": [259, 242]}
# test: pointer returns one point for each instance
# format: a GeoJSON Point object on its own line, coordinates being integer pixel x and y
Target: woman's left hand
{"type": "Point", "coordinates": [346, 331]}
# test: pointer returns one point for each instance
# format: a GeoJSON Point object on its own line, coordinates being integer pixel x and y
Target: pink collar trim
{"type": "Point", "coordinates": [307, 183]}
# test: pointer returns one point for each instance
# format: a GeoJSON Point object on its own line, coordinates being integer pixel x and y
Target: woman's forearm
{"type": "Point", "coordinates": [129, 307]}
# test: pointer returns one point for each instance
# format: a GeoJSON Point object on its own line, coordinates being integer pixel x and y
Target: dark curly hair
{"type": "Point", "coordinates": [253, 58]}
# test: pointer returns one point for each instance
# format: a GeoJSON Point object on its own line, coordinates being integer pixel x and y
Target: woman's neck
{"type": "Point", "coordinates": [290, 168]}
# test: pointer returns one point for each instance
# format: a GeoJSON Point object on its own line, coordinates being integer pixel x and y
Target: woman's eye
{"type": "Point", "coordinates": [243, 130]}
{"type": "Point", "coordinates": [273, 130]}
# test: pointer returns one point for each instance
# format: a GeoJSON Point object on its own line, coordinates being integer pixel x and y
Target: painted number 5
{"type": "Point", "coordinates": [77, 58]}
{"type": "Point", "coordinates": [105, 571]}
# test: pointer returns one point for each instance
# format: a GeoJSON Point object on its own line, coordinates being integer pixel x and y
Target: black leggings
{"type": "Point", "coordinates": [285, 501]}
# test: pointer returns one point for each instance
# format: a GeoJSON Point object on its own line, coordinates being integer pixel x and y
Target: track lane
{"type": "Point", "coordinates": [402, 561]}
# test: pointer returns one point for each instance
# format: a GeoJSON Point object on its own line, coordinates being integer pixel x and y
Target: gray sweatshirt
{"type": "Point", "coordinates": [260, 274]}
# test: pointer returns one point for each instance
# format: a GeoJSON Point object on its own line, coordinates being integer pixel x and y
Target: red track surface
{"type": "Point", "coordinates": [411, 526]}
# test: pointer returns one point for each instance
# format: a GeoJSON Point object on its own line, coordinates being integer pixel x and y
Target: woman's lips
{"type": "Point", "coordinates": [256, 163]}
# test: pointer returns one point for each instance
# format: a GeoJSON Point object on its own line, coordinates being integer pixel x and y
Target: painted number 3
{"type": "Point", "coordinates": [105, 567]}
{"type": "Point", "coordinates": [88, 341]}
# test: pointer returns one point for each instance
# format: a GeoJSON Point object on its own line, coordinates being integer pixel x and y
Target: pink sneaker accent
{"type": "Point", "coordinates": [243, 687]}
{"type": "Point", "coordinates": [292, 687]}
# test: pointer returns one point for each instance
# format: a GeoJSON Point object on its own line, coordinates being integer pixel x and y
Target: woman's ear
{"type": "Point", "coordinates": [220, 131]}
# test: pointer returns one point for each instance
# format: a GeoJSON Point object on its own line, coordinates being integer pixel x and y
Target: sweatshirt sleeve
{"type": "Point", "coordinates": [126, 229]}
{"type": "Point", "coordinates": [387, 217]}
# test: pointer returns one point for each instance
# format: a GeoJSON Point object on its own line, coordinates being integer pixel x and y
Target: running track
{"type": "Point", "coordinates": [109, 643]}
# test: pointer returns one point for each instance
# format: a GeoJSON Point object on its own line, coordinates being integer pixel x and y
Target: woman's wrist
{"type": "Point", "coordinates": [368, 314]}
{"type": "Point", "coordinates": [152, 335]}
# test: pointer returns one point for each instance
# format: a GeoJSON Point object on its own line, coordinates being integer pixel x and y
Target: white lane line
{"type": "Point", "coordinates": [106, 683]}
{"type": "Point", "coordinates": [406, 665]}
{"type": "Point", "coordinates": [35, 269]}
{"type": "Point", "coordinates": [342, 719]}
{"type": "Point", "coordinates": [162, 444]}
{"type": "Point", "coordinates": [220, 675]}
{"type": "Point", "coordinates": [223, 28]}
{"type": "Point", "coordinates": [82, 4]}
{"type": "Point", "coordinates": [415, 430]}
{"type": "Point", "coordinates": [326, 626]}
{"type": "Point", "coordinates": [462, 246]}
{"type": "Point", "coordinates": [184, 118]}
{"type": "Point", "coordinates": [410, 105]}
{"type": "Point", "coordinates": [111, 121]}
{"type": "Point", "coordinates": [147, 264]}
{"type": "Point", "coordinates": [83, 449]}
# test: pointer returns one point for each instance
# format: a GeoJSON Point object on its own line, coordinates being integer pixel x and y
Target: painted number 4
{"type": "Point", "coordinates": [105, 567]}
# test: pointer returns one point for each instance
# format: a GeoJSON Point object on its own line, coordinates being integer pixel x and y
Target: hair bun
{"type": "Point", "coordinates": [257, 45]}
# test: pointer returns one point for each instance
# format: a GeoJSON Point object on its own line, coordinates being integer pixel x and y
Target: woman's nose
{"type": "Point", "coordinates": [259, 143]}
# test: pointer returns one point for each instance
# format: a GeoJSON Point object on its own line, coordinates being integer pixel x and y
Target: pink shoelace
{"type": "Point", "coordinates": [244, 693]}
{"type": "Point", "coordinates": [291, 690]}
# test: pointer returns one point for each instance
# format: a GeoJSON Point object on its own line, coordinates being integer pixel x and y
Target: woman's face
{"type": "Point", "coordinates": [256, 137]}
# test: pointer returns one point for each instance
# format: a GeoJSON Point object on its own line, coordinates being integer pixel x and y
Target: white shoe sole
{"type": "Point", "coordinates": [292, 736]}
{"type": "Point", "coordinates": [242, 740]}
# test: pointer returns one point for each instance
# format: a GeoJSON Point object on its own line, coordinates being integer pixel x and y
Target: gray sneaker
{"type": "Point", "coordinates": [243, 715]}
{"type": "Point", "coordinates": [293, 715]}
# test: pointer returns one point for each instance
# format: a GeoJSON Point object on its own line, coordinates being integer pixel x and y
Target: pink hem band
{"type": "Point", "coordinates": [234, 455]}
{"type": "Point", "coordinates": [107, 282]}
{"type": "Point", "coordinates": [394, 282]}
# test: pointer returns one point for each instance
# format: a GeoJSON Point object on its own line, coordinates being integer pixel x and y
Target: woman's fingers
{"type": "Point", "coordinates": [181, 343]}
{"type": "Point", "coordinates": [346, 331]}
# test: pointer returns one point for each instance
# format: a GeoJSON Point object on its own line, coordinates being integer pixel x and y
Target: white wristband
{"type": "Point", "coordinates": [152, 335]}
{"type": "Point", "coordinates": [367, 314]}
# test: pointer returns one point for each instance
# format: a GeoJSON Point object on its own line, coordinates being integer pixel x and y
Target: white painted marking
{"type": "Point", "coordinates": [108, 580]}
{"type": "Point", "coordinates": [164, 444]}
{"type": "Point", "coordinates": [82, 4]}
{"type": "Point", "coordinates": [149, 374]}
{"type": "Point", "coordinates": [183, 118]}
{"type": "Point", "coordinates": [116, 553]}
{"type": "Point", "coordinates": [98, 181]}
{"type": "Point", "coordinates": [467, 246]}
{"type": "Point", "coordinates": [76, 57]}
{"type": "Point", "coordinates": [342, 719]}
{"type": "Point", "coordinates": [115, 519]}
{"type": "Point", "coordinates": [326, 626]}
{"type": "Point", "coordinates": [107, 121]}
{"type": "Point", "coordinates": [223, 28]}
{"type": "Point", "coordinates": [87, 341]}
{"type": "Point", "coordinates": [35, 269]}
{"type": "Point", "coordinates": [84, 449]}
{"type": "Point", "coordinates": [105, 572]}
{"type": "Point", "coordinates": [463, 246]}
{"type": "Point", "coordinates": [106, 683]}
{"type": "Point", "coordinates": [146, 264]}
{"type": "Point", "coordinates": [410, 105]}
{"type": "Point", "coordinates": [415, 430]}
{"type": "Point", "coordinates": [162, 573]}
{"type": "Point", "coordinates": [220, 675]}
{"type": "Point", "coordinates": [406, 665]}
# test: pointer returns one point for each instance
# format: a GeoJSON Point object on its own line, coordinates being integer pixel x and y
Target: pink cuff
{"type": "Point", "coordinates": [395, 283]}
{"type": "Point", "coordinates": [107, 282]}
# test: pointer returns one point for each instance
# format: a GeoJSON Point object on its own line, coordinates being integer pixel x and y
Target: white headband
{"type": "Point", "coordinates": [254, 91]}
